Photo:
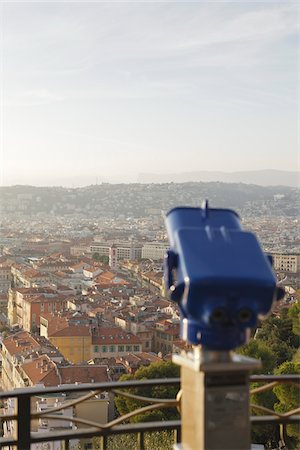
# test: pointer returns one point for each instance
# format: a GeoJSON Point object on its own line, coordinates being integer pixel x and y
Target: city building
{"type": "Point", "coordinates": [114, 342]}
{"type": "Point", "coordinates": [124, 250]}
{"type": "Point", "coordinates": [154, 250]}
{"type": "Point", "coordinates": [286, 262]}
{"type": "Point", "coordinates": [25, 305]}
{"type": "Point", "coordinates": [5, 277]}
{"type": "Point", "coordinates": [73, 341]}
{"type": "Point", "coordinates": [165, 334]}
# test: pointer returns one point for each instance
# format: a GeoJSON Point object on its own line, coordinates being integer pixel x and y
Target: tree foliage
{"type": "Point", "coordinates": [162, 440]}
{"type": "Point", "coordinates": [155, 370]}
{"type": "Point", "coordinates": [101, 258]}
{"type": "Point", "coordinates": [294, 315]}
{"type": "Point", "coordinates": [276, 344]}
{"type": "Point", "coordinates": [259, 350]}
{"type": "Point", "coordinates": [288, 396]}
{"type": "Point", "coordinates": [278, 334]}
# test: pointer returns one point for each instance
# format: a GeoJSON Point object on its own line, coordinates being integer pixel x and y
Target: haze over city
{"type": "Point", "coordinates": [106, 91]}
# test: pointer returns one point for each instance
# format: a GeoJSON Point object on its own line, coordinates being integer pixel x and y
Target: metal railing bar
{"type": "Point", "coordinates": [266, 410]}
{"type": "Point", "coordinates": [136, 412]}
{"type": "Point", "coordinates": [274, 420]}
{"type": "Point", "coordinates": [99, 426]}
{"type": "Point", "coordinates": [93, 432]}
{"type": "Point", "coordinates": [108, 425]}
{"type": "Point", "coordinates": [140, 441]}
{"type": "Point", "coordinates": [144, 399]}
{"type": "Point", "coordinates": [24, 396]}
{"type": "Point", "coordinates": [281, 378]}
{"type": "Point", "coordinates": [33, 391]}
{"type": "Point", "coordinates": [263, 388]}
{"type": "Point", "coordinates": [66, 404]}
{"type": "Point", "coordinates": [292, 412]}
{"type": "Point", "coordinates": [104, 442]}
{"type": "Point", "coordinates": [134, 428]}
{"type": "Point", "coordinates": [23, 423]}
{"type": "Point", "coordinates": [275, 413]}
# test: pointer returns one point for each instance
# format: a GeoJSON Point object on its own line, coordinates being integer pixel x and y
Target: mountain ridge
{"type": "Point", "coordinates": [266, 177]}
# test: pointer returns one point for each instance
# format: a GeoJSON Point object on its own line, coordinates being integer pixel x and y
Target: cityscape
{"type": "Point", "coordinates": [82, 292]}
{"type": "Point", "coordinates": [149, 225]}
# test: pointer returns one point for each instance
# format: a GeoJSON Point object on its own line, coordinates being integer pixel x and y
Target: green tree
{"type": "Point", "coordinates": [155, 370]}
{"type": "Point", "coordinates": [101, 258]}
{"type": "Point", "coordinates": [294, 315]}
{"type": "Point", "coordinates": [163, 440]}
{"type": "Point", "coordinates": [277, 333]}
{"type": "Point", "coordinates": [288, 396]}
{"type": "Point", "coordinates": [259, 350]}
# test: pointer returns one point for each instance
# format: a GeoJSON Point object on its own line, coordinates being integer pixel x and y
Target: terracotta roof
{"type": "Point", "coordinates": [41, 370]}
{"type": "Point", "coordinates": [71, 330]}
{"type": "Point", "coordinates": [108, 276]}
{"type": "Point", "coordinates": [40, 298]}
{"type": "Point", "coordinates": [31, 273]}
{"type": "Point", "coordinates": [39, 290]}
{"type": "Point", "coordinates": [20, 343]}
{"type": "Point", "coordinates": [114, 335]}
{"type": "Point", "coordinates": [55, 322]}
{"type": "Point", "coordinates": [86, 373]}
{"type": "Point", "coordinates": [79, 265]}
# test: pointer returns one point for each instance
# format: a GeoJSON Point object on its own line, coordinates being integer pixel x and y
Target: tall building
{"type": "Point", "coordinates": [5, 277]}
{"type": "Point", "coordinates": [124, 250]}
{"type": "Point", "coordinates": [286, 262]}
{"type": "Point", "coordinates": [154, 250]}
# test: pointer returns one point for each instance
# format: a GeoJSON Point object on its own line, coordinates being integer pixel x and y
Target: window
{"type": "Point", "coordinates": [104, 348]}
{"type": "Point", "coordinates": [96, 348]}
{"type": "Point", "coordinates": [128, 348]}
{"type": "Point", "coordinates": [136, 348]}
{"type": "Point", "coordinates": [111, 348]}
{"type": "Point", "coordinates": [121, 348]}
{"type": "Point", "coordinates": [42, 307]}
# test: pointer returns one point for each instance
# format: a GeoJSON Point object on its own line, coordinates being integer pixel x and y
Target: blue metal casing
{"type": "Point", "coordinates": [218, 274]}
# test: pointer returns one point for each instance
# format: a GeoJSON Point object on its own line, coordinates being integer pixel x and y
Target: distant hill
{"type": "Point", "coordinates": [258, 177]}
{"type": "Point", "coordinates": [142, 200]}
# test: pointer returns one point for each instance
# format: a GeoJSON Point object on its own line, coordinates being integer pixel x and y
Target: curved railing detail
{"type": "Point", "coordinates": [24, 437]}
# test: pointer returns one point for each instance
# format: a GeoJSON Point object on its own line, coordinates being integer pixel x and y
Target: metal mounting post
{"type": "Point", "coordinates": [215, 400]}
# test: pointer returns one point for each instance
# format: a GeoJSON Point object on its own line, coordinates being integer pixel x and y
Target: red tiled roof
{"type": "Point", "coordinates": [20, 342]}
{"type": "Point", "coordinates": [41, 370]}
{"type": "Point", "coordinates": [83, 374]}
{"type": "Point", "coordinates": [114, 335]}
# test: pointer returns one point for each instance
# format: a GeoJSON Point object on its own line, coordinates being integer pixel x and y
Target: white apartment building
{"type": "Point", "coordinates": [154, 250]}
{"type": "Point", "coordinates": [286, 262]}
{"type": "Point", "coordinates": [125, 250]}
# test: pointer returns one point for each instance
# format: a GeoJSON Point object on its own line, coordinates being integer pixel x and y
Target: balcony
{"type": "Point", "coordinates": [18, 421]}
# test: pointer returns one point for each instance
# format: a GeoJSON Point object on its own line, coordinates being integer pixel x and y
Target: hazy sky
{"type": "Point", "coordinates": [109, 90]}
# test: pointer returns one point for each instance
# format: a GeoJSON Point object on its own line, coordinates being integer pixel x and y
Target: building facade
{"type": "Point", "coordinates": [154, 250]}
{"type": "Point", "coordinates": [286, 262]}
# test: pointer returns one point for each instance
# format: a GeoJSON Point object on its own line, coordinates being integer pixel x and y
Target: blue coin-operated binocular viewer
{"type": "Point", "coordinates": [218, 275]}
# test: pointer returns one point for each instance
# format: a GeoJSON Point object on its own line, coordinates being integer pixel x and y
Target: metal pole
{"type": "Point", "coordinates": [215, 400]}
{"type": "Point", "coordinates": [24, 422]}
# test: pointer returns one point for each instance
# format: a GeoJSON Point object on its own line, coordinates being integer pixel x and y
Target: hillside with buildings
{"type": "Point", "coordinates": [139, 200]}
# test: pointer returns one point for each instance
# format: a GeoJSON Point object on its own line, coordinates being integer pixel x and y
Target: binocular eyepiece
{"type": "Point", "coordinates": [218, 275]}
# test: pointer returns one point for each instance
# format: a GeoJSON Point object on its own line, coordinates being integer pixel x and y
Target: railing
{"type": "Point", "coordinates": [25, 416]}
